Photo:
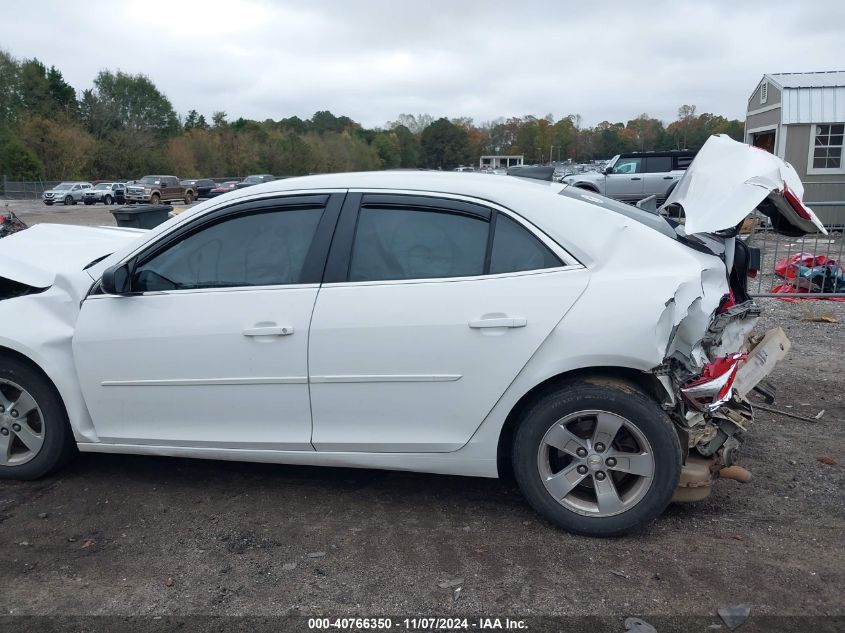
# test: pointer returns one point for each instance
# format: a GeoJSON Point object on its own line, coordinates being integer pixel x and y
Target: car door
{"type": "Point", "coordinates": [658, 176]}
{"type": "Point", "coordinates": [625, 180]}
{"type": "Point", "coordinates": [209, 348]}
{"type": "Point", "coordinates": [429, 309]}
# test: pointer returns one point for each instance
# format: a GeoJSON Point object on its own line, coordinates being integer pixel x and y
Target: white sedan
{"type": "Point", "coordinates": [432, 322]}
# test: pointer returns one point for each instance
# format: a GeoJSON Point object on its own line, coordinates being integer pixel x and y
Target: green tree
{"type": "Point", "coordinates": [19, 162]}
{"type": "Point", "coordinates": [445, 145]}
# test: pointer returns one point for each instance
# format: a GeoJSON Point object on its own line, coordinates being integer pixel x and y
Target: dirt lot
{"type": "Point", "coordinates": [115, 535]}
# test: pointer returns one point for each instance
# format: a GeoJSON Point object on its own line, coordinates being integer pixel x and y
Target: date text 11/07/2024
{"type": "Point", "coordinates": [417, 624]}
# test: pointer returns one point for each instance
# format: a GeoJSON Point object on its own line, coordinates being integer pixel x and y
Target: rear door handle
{"type": "Point", "coordinates": [636, 178]}
{"type": "Point", "coordinates": [270, 330]}
{"type": "Point", "coordinates": [499, 322]}
{"type": "Point", "coordinates": [668, 177]}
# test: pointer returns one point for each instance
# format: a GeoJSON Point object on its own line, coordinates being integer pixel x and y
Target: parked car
{"type": "Point", "coordinates": [66, 193]}
{"type": "Point", "coordinates": [419, 321]}
{"type": "Point", "coordinates": [158, 189]}
{"type": "Point", "coordinates": [225, 187]}
{"type": "Point", "coordinates": [105, 192]}
{"type": "Point", "coordinates": [255, 180]}
{"type": "Point", "coordinates": [202, 186]}
{"type": "Point", "coordinates": [633, 176]}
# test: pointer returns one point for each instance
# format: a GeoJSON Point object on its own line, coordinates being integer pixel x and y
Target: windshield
{"type": "Point", "coordinates": [252, 179]}
{"type": "Point", "coordinates": [150, 180]}
{"type": "Point", "coordinates": [63, 187]}
{"type": "Point", "coordinates": [105, 185]}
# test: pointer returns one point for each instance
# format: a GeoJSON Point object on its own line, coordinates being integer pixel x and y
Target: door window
{"type": "Point", "coordinates": [627, 166]}
{"type": "Point", "coordinates": [658, 164]}
{"type": "Point", "coordinates": [417, 244]}
{"type": "Point", "coordinates": [516, 249]}
{"type": "Point", "coordinates": [262, 249]}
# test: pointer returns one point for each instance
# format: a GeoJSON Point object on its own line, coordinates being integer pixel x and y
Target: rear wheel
{"type": "Point", "coordinates": [598, 457]}
{"type": "Point", "coordinates": [35, 436]}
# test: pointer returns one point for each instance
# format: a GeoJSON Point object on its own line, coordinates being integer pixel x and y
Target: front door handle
{"type": "Point", "coordinates": [499, 322]}
{"type": "Point", "coordinates": [668, 177]}
{"type": "Point", "coordinates": [636, 178]}
{"type": "Point", "coordinates": [269, 330]}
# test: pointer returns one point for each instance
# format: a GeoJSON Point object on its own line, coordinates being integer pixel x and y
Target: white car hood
{"type": "Point", "coordinates": [728, 180]}
{"type": "Point", "coordinates": [36, 255]}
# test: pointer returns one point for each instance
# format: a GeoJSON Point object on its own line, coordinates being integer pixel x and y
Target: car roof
{"type": "Point", "coordinates": [659, 154]}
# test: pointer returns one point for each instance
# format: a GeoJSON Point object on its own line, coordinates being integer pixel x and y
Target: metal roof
{"type": "Point", "coordinates": [822, 79]}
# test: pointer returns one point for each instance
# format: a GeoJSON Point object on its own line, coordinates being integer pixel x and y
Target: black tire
{"type": "Point", "coordinates": [58, 445]}
{"type": "Point", "coordinates": [189, 197]}
{"type": "Point", "coordinates": [49, 204]}
{"type": "Point", "coordinates": [107, 199]}
{"type": "Point", "coordinates": [616, 397]}
{"type": "Point", "coordinates": [68, 200]}
{"type": "Point", "coordinates": [155, 199]}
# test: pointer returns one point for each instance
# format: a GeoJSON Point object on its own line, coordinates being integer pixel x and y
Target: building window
{"type": "Point", "coordinates": [764, 92]}
{"type": "Point", "coordinates": [827, 147]}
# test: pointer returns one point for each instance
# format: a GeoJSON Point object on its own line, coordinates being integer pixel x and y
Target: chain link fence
{"type": "Point", "coordinates": [798, 266]}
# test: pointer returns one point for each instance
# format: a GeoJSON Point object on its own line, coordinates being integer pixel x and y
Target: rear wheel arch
{"type": "Point", "coordinates": [648, 383]}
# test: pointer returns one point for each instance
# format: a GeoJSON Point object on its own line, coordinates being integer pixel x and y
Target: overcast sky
{"type": "Point", "coordinates": [374, 59]}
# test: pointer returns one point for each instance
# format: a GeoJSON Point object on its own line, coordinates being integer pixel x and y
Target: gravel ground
{"type": "Point", "coordinates": [115, 535]}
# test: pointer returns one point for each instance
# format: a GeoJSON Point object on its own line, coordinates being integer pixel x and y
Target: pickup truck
{"type": "Point", "coordinates": [156, 189]}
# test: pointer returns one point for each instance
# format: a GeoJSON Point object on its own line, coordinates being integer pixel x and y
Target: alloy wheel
{"type": "Point", "coordinates": [596, 463]}
{"type": "Point", "coordinates": [21, 425]}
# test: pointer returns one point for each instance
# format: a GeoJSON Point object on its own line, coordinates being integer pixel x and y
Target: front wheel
{"type": "Point", "coordinates": [68, 200]}
{"type": "Point", "coordinates": [107, 200]}
{"type": "Point", "coordinates": [189, 197]}
{"type": "Point", "coordinates": [155, 199]}
{"type": "Point", "coordinates": [35, 436]}
{"type": "Point", "coordinates": [598, 457]}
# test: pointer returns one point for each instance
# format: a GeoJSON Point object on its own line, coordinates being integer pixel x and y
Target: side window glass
{"type": "Point", "coordinates": [417, 244]}
{"type": "Point", "coordinates": [658, 164]}
{"type": "Point", "coordinates": [263, 249]}
{"type": "Point", "coordinates": [516, 249]}
{"type": "Point", "coordinates": [628, 166]}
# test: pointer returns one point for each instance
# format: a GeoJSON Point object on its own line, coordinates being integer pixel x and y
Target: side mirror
{"type": "Point", "coordinates": [608, 170]}
{"type": "Point", "coordinates": [115, 280]}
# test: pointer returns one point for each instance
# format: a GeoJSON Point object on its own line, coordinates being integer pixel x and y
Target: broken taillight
{"type": "Point", "coordinates": [796, 204]}
{"type": "Point", "coordinates": [713, 387]}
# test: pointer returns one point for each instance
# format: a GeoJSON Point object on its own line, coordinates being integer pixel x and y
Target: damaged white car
{"type": "Point", "coordinates": [432, 322]}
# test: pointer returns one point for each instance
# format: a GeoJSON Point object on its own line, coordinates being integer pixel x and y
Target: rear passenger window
{"type": "Point", "coordinates": [516, 249]}
{"type": "Point", "coordinates": [658, 164]}
{"type": "Point", "coordinates": [417, 244]}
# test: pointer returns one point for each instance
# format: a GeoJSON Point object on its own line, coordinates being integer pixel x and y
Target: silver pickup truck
{"type": "Point", "coordinates": [633, 176]}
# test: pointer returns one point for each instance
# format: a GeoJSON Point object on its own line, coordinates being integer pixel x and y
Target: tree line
{"type": "Point", "coordinates": [123, 127]}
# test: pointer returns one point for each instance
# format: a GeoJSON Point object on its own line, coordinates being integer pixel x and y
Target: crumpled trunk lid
{"type": "Point", "coordinates": [728, 180]}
